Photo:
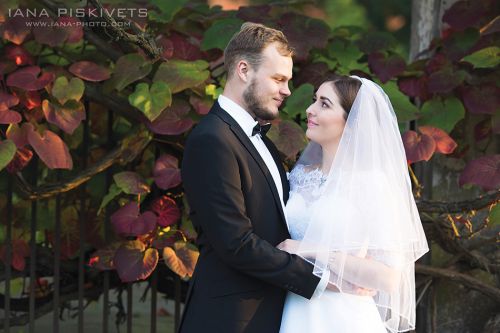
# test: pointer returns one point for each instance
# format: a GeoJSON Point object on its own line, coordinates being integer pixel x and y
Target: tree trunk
{"type": "Point", "coordinates": [426, 24]}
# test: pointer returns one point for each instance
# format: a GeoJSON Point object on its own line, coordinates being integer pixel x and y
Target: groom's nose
{"type": "Point", "coordinates": [285, 90]}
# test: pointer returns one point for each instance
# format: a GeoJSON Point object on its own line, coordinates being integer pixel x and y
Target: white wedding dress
{"type": "Point", "coordinates": [331, 312]}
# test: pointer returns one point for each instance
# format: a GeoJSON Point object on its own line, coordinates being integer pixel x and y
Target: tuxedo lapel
{"type": "Point", "coordinates": [245, 141]}
{"type": "Point", "coordinates": [276, 156]}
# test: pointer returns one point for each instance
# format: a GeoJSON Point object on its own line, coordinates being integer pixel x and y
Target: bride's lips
{"type": "Point", "coordinates": [311, 123]}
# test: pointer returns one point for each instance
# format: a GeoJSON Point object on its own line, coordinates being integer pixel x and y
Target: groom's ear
{"type": "Point", "coordinates": [242, 70]}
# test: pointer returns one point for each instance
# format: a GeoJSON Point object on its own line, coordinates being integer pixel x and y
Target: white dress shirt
{"type": "Point", "coordinates": [247, 123]}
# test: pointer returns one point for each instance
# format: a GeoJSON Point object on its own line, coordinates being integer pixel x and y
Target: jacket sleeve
{"type": "Point", "coordinates": [211, 178]}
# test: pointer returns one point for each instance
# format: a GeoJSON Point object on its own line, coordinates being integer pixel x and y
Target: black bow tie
{"type": "Point", "coordinates": [261, 129]}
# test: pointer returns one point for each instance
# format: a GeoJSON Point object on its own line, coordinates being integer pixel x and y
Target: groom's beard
{"type": "Point", "coordinates": [255, 104]}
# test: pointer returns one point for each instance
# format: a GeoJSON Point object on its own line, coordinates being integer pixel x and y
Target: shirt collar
{"type": "Point", "coordinates": [242, 117]}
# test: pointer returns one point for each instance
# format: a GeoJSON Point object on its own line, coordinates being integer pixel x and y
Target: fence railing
{"type": "Point", "coordinates": [51, 284]}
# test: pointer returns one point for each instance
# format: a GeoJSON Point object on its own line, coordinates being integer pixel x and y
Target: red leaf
{"type": "Point", "coordinates": [414, 87]}
{"type": "Point", "coordinates": [166, 45]}
{"type": "Point", "coordinates": [127, 221]}
{"type": "Point", "coordinates": [386, 67]}
{"type": "Point", "coordinates": [483, 99]}
{"type": "Point", "coordinates": [134, 262]}
{"type": "Point", "coordinates": [483, 171]}
{"type": "Point", "coordinates": [166, 172]}
{"type": "Point", "coordinates": [437, 62]}
{"type": "Point", "coordinates": [131, 182]}
{"type": "Point", "coordinates": [17, 135]}
{"type": "Point", "coordinates": [186, 48]}
{"type": "Point", "coordinates": [201, 106]}
{"type": "Point", "coordinates": [27, 78]}
{"type": "Point", "coordinates": [50, 34]}
{"type": "Point", "coordinates": [167, 210]}
{"type": "Point", "coordinates": [16, 30]}
{"type": "Point", "coordinates": [7, 67]}
{"type": "Point", "coordinates": [495, 123]}
{"type": "Point", "coordinates": [73, 28]}
{"type": "Point", "coordinates": [482, 130]}
{"type": "Point", "coordinates": [49, 147]}
{"type": "Point", "coordinates": [257, 14]}
{"type": "Point", "coordinates": [20, 250]}
{"type": "Point", "coordinates": [7, 101]}
{"type": "Point", "coordinates": [376, 42]}
{"type": "Point", "coordinates": [90, 71]}
{"type": "Point", "coordinates": [444, 143]}
{"type": "Point", "coordinates": [304, 33]}
{"type": "Point", "coordinates": [181, 259]}
{"type": "Point", "coordinates": [288, 137]}
{"type": "Point", "coordinates": [102, 259]}
{"type": "Point", "coordinates": [67, 117]}
{"type": "Point", "coordinates": [464, 14]}
{"type": "Point", "coordinates": [18, 55]}
{"type": "Point", "coordinates": [418, 147]}
{"type": "Point", "coordinates": [313, 73]}
{"type": "Point", "coordinates": [20, 161]}
{"type": "Point", "coordinates": [173, 120]}
{"type": "Point", "coordinates": [445, 80]}
{"type": "Point", "coordinates": [30, 99]}
{"type": "Point", "coordinates": [10, 117]}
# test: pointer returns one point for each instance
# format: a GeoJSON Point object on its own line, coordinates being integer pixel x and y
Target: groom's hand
{"type": "Point", "coordinates": [289, 245]}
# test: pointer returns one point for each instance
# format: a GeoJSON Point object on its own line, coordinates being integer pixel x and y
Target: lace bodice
{"type": "Point", "coordinates": [305, 184]}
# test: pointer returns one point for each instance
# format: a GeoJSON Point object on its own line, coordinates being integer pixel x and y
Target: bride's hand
{"type": "Point", "coordinates": [289, 245]}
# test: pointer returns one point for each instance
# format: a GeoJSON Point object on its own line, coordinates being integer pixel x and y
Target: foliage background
{"type": "Point", "coordinates": [93, 123]}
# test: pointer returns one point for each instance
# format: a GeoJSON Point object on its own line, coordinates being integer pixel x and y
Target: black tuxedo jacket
{"type": "Point", "coordinates": [241, 279]}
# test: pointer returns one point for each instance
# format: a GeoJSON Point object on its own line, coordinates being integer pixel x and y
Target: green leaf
{"type": "Point", "coordinates": [300, 100]}
{"type": "Point", "coordinates": [219, 34]}
{"type": "Point", "coordinates": [131, 182]}
{"type": "Point", "coordinates": [7, 152]}
{"type": "Point", "coordinates": [484, 58]}
{"type": "Point", "coordinates": [404, 109]}
{"type": "Point", "coordinates": [213, 91]}
{"type": "Point", "coordinates": [345, 52]}
{"type": "Point", "coordinates": [180, 74]}
{"type": "Point", "coordinates": [65, 91]}
{"type": "Point", "coordinates": [151, 101]}
{"type": "Point", "coordinates": [167, 8]}
{"type": "Point", "coordinates": [113, 192]}
{"type": "Point", "coordinates": [444, 114]}
{"type": "Point", "coordinates": [129, 68]}
{"type": "Point", "coordinates": [495, 215]}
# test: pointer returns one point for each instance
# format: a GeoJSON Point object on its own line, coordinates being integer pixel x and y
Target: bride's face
{"type": "Point", "coordinates": [325, 116]}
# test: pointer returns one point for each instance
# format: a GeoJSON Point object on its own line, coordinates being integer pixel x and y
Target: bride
{"type": "Point", "coordinates": [351, 213]}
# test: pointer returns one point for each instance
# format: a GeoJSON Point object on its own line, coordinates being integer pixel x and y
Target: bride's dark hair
{"type": "Point", "coordinates": [347, 89]}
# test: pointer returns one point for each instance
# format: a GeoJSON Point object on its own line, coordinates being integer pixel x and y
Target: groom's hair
{"type": "Point", "coordinates": [248, 44]}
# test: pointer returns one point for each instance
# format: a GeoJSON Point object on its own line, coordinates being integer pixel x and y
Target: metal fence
{"type": "Point", "coordinates": [45, 261]}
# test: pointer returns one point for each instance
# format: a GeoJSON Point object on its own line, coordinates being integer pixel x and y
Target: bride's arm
{"type": "Point", "coordinates": [367, 272]}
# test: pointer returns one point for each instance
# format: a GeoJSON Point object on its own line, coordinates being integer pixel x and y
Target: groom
{"type": "Point", "coordinates": [236, 188]}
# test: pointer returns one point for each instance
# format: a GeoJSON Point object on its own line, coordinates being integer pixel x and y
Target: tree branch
{"type": "Point", "coordinates": [126, 152]}
{"type": "Point", "coordinates": [445, 207]}
{"type": "Point", "coordinates": [145, 43]}
{"type": "Point", "coordinates": [113, 102]}
{"type": "Point", "coordinates": [464, 279]}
